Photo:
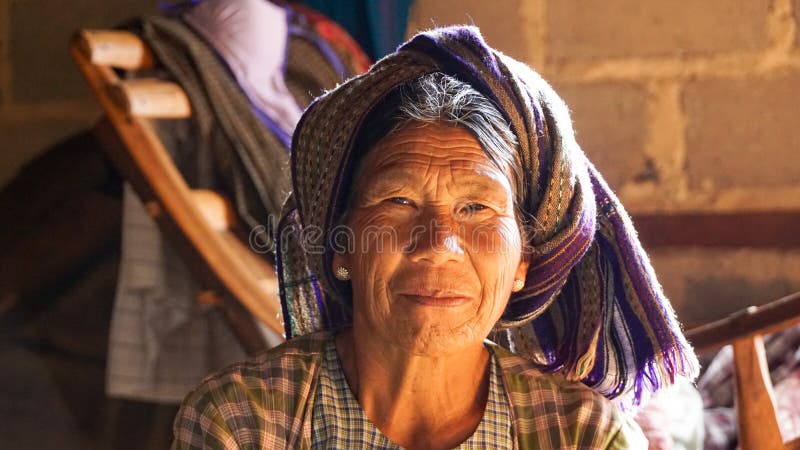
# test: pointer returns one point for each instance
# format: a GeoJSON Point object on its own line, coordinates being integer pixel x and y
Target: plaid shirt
{"type": "Point", "coordinates": [340, 422]}
{"type": "Point", "coordinates": [267, 402]}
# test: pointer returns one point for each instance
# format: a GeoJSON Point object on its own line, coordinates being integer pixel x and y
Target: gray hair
{"type": "Point", "coordinates": [439, 98]}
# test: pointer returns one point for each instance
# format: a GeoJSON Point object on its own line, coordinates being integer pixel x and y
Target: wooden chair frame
{"type": "Point", "coordinates": [199, 223]}
{"type": "Point", "coordinates": [755, 404]}
{"type": "Point", "coordinates": [758, 426]}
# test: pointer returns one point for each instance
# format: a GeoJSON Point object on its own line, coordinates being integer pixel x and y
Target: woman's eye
{"type": "Point", "coordinates": [473, 208]}
{"type": "Point", "coordinates": [401, 201]}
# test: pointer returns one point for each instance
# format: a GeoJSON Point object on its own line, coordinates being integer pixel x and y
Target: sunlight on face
{"type": "Point", "coordinates": [437, 246]}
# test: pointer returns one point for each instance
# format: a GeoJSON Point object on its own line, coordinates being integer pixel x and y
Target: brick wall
{"type": "Point", "coordinates": [684, 106]}
{"type": "Point", "coordinates": [43, 98]}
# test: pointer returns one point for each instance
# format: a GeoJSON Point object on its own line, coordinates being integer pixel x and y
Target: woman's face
{"type": "Point", "coordinates": [437, 245]}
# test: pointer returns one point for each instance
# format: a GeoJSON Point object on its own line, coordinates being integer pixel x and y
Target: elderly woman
{"type": "Point", "coordinates": [438, 199]}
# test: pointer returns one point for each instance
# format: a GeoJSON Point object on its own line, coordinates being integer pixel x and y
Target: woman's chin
{"type": "Point", "coordinates": [437, 339]}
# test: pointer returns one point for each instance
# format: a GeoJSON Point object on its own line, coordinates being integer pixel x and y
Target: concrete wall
{"type": "Point", "coordinates": [43, 98]}
{"type": "Point", "coordinates": [684, 106]}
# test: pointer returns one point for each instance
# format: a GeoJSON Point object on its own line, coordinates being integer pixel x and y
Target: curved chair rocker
{"type": "Point", "coordinates": [201, 224]}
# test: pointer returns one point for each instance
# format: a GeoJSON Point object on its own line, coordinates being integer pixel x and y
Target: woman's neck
{"type": "Point", "coordinates": [416, 401]}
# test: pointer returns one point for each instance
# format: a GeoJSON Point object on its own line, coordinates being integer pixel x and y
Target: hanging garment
{"type": "Point", "coordinates": [162, 342]}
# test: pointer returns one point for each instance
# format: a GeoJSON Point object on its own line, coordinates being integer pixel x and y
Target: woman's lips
{"type": "Point", "coordinates": [439, 299]}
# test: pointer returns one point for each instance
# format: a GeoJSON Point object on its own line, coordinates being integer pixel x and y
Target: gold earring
{"type": "Point", "coordinates": [517, 286]}
{"type": "Point", "coordinates": [341, 273]}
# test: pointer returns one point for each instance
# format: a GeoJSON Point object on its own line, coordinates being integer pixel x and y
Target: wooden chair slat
{"type": "Point", "coordinates": [758, 426]}
{"type": "Point", "coordinates": [151, 98]}
{"type": "Point", "coordinates": [215, 208]}
{"type": "Point", "coordinates": [114, 48]}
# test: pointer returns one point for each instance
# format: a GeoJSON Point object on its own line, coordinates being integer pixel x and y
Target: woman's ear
{"type": "Point", "coordinates": [522, 267]}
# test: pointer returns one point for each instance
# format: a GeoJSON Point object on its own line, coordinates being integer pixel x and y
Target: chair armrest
{"type": "Point", "coordinates": [765, 319]}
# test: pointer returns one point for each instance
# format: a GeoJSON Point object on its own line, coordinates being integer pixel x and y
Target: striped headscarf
{"type": "Point", "coordinates": [591, 308]}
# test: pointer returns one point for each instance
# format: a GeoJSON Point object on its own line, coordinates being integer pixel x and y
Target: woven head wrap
{"type": "Point", "coordinates": [591, 308]}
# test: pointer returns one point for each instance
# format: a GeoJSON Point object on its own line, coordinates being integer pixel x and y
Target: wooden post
{"type": "Point", "coordinates": [758, 427]}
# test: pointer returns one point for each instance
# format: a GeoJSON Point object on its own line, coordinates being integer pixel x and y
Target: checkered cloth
{"type": "Point", "coordinates": [269, 402]}
{"type": "Point", "coordinates": [339, 421]}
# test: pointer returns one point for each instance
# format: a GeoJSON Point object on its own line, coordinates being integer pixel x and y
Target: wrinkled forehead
{"type": "Point", "coordinates": [435, 144]}
{"type": "Point", "coordinates": [417, 150]}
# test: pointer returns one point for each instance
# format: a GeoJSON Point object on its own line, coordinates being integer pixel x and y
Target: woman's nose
{"type": "Point", "coordinates": [435, 238]}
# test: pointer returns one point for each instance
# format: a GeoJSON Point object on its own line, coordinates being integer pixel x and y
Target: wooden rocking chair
{"type": "Point", "coordinates": [757, 422]}
{"type": "Point", "coordinates": [755, 405]}
{"type": "Point", "coordinates": [199, 223]}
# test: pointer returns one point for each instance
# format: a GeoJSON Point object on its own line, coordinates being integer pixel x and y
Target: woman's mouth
{"type": "Point", "coordinates": [436, 298]}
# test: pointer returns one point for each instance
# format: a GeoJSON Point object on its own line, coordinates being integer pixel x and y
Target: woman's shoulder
{"type": "Point", "coordinates": [294, 359]}
{"type": "Point", "coordinates": [569, 412]}
{"type": "Point", "coordinates": [527, 371]}
{"type": "Point", "coordinates": [261, 398]}
{"type": "Point", "coordinates": [293, 353]}
{"type": "Point", "coordinates": [522, 376]}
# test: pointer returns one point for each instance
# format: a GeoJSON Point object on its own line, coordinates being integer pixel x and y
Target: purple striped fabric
{"type": "Point", "coordinates": [592, 307]}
